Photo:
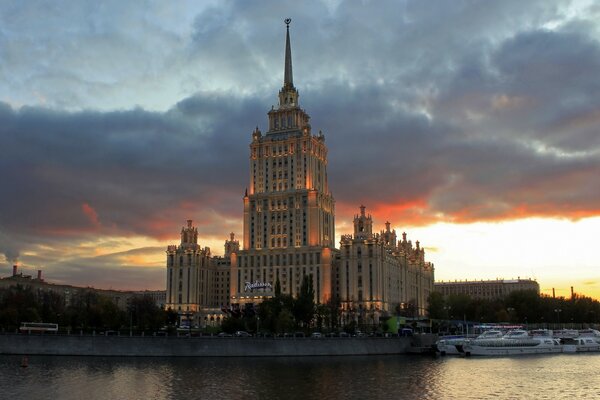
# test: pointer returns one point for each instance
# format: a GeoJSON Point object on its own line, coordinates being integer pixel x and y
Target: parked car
{"type": "Point", "coordinates": [242, 334]}
{"type": "Point", "coordinates": [316, 335]}
{"type": "Point", "coordinates": [224, 334]}
{"type": "Point", "coordinates": [344, 334]}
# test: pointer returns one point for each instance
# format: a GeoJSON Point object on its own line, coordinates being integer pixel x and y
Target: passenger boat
{"type": "Point", "coordinates": [566, 333]}
{"type": "Point", "coordinates": [580, 344]}
{"type": "Point", "coordinates": [450, 345]}
{"type": "Point", "coordinates": [589, 332]}
{"type": "Point", "coordinates": [491, 334]}
{"type": "Point", "coordinates": [515, 342]}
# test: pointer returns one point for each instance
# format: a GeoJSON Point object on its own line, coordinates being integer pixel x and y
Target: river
{"type": "Point", "coordinates": [559, 376]}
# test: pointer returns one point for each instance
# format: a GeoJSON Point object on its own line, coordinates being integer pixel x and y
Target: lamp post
{"type": "Point", "coordinates": [447, 310]}
{"type": "Point", "coordinates": [558, 311]}
{"type": "Point", "coordinates": [510, 310]}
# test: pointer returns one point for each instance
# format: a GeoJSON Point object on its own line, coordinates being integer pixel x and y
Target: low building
{"type": "Point", "coordinates": [486, 289]}
{"type": "Point", "coordinates": [121, 298]}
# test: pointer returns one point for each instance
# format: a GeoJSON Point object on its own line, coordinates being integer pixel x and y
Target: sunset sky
{"type": "Point", "coordinates": [474, 126]}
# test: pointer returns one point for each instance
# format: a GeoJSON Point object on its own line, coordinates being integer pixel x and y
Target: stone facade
{"type": "Point", "coordinates": [197, 283]}
{"type": "Point", "coordinates": [489, 289]}
{"type": "Point", "coordinates": [289, 227]}
{"type": "Point", "coordinates": [378, 273]}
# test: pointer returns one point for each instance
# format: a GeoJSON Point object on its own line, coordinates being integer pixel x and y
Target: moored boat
{"type": "Point", "coordinates": [589, 332]}
{"type": "Point", "coordinates": [581, 344]}
{"type": "Point", "coordinates": [515, 342]}
{"type": "Point", "coordinates": [566, 333]}
{"type": "Point", "coordinates": [450, 345]}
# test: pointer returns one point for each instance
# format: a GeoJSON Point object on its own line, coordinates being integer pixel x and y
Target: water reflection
{"type": "Point", "coordinates": [539, 377]}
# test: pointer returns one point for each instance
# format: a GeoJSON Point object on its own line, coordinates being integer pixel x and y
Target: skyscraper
{"type": "Point", "coordinates": [289, 227]}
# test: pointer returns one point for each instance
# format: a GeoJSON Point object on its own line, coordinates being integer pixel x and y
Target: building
{"type": "Point", "coordinates": [378, 273]}
{"type": "Point", "coordinates": [489, 289]}
{"type": "Point", "coordinates": [288, 208]}
{"type": "Point", "coordinates": [121, 298]}
{"type": "Point", "coordinates": [289, 234]}
{"type": "Point", "coordinates": [197, 283]}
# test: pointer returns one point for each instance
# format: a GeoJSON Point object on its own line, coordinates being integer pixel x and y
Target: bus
{"type": "Point", "coordinates": [38, 327]}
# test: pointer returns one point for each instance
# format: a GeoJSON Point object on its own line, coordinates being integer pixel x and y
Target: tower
{"type": "Point", "coordinates": [187, 270]}
{"type": "Point", "coordinates": [288, 209]}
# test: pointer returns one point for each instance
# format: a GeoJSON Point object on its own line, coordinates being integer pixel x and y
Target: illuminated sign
{"type": "Point", "coordinates": [250, 286]}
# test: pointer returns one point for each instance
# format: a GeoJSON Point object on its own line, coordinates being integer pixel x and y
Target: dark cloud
{"type": "Point", "coordinates": [458, 112]}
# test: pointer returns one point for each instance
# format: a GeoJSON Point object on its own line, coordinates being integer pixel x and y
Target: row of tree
{"type": "Point", "coordinates": [521, 307]}
{"type": "Point", "coordinates": [86, 310]}
{"type": "Point", "coordinates": [285, 313]}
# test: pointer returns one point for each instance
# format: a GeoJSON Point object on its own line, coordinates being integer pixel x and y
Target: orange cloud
{"type": "Point", "coordinates": [90, 213]}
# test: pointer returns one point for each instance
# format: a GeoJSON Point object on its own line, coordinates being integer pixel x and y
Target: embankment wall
{"type": "Point", "coordinates": [74, 345]}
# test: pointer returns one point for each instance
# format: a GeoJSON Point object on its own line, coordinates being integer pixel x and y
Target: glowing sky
{"type": "Point", "coordinates": [474, 126]}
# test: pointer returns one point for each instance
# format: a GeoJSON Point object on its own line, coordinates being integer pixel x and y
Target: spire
{"type": "Point", "coordinates": [288, 79]}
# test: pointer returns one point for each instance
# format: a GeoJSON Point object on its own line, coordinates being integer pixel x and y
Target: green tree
{"type": "Point", "coordinates": [285, 321]}
{"type": "Point", "coordinates": [304, 305]}
{"type": "Point", "coordinates": [435, 306]}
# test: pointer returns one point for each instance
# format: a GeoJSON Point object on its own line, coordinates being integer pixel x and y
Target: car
{"type": "Point", "coordinates": [242, 334]}
{"type": "Point", "coordinates": [224, 334]}
{"type": "Point", "coordinates": [316, 335]}
{"type": "Point", "coordinates": [298, 334]}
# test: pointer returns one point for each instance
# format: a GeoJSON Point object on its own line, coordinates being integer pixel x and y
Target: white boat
{"type": "Point", "coordinates": [589, 332]}
{"type": "Point", "coordinates": [543, 332]}
{"type": "Point", "coordinates": [581, 344]}
{"type": "Point", "coordinates": [566, 333]}
{"type": "Point", "coordinates": [491, 334]}
{"type": "Point", "coordinates": [515, 342]}
{"type": "Point", "coordinates": [450, 345]}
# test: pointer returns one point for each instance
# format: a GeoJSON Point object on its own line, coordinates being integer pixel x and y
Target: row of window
{"type": "Point", "coordinates": [250, 261]}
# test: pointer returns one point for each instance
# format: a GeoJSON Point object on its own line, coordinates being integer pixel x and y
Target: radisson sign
{"type": "Point", "coordinates": [250, 286]}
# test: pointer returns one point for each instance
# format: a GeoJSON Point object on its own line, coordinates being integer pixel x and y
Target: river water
{"type": "Point", "coordinates": [562, 376]}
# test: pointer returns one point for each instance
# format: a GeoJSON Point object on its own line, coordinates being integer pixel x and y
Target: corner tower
{"type": "Point", "coordinates": [288, 208]}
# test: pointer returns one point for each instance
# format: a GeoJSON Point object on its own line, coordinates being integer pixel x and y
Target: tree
{"type": "Point", "coordinates": [436, 304]}
{"type": "Point", "coordinates": [304, 305]}
{"type": "Point", "coordinates": [232, 324]}
{"type": "Point", "coordinates": [285, 321]}
{"type": "Point", "coordinates": [277, 288]}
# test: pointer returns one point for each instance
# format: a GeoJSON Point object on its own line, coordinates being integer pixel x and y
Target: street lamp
{"type": "Point", "coordinates": [510, 310]}
{"type": "Point", "coordinates": [447, 310]}
{"type": "Point", "coordinates": [558, 311]}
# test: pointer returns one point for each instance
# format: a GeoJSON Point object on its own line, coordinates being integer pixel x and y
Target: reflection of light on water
{"type": "Point", "coordinates": [399, 377]}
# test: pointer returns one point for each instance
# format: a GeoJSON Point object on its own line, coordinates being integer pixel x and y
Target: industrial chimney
{"type": "Point", "coordinates": [15, 270]}
{"type": "Point", "coordinates": [39, 275]}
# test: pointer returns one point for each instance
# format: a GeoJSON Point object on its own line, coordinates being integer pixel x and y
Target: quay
{"type": "Point", "coordinates": [206, 346]}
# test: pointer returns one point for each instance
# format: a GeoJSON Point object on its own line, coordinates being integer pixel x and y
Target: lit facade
{"type": "Point", "coordinates": [378, 273]}
{"type": "Point", "coordinates": [288, 208]}
{"type": "Point", "coordinates": [197, 283]}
